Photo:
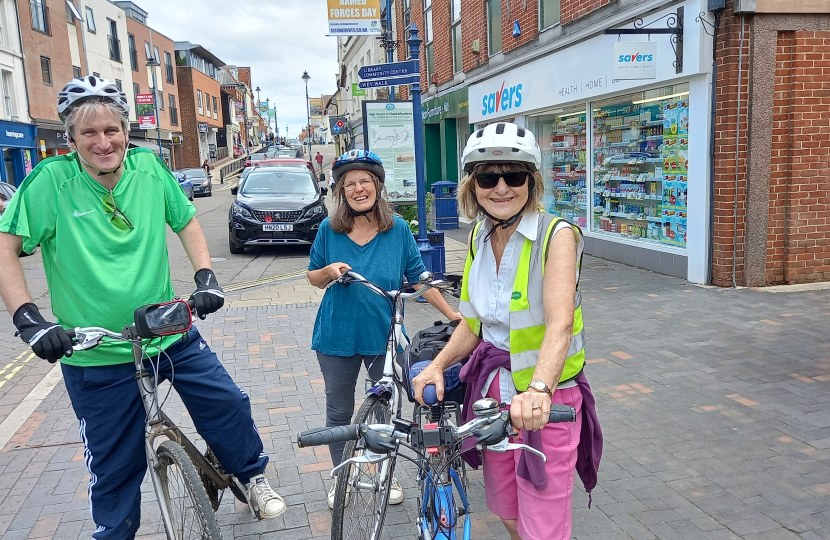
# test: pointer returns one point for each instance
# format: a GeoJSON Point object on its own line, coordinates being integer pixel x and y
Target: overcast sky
{"type": "Point", "coordinates": [278, 39]}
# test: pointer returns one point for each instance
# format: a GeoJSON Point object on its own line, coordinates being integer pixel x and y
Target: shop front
{"type": "Point", "coordinates": [17, 142]}
{"type": "Point", "coordinates": [446, 129]}
{"type": "Point", "coordinates": [624, 158]}
{"type": "Point", "coordinates": [52, 142]}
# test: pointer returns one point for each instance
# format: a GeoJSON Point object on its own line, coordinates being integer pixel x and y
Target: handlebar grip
{"type": "Point", "coordinates": [328, 435]}
{"type": "Point", "coordinates": [560, 412]}
{"type": "Point", "coordinates": [71, 333]}
{"type": "Point", "coordinates": [430, 395]}
{"type": "Point", "coordinates": [192, 303]}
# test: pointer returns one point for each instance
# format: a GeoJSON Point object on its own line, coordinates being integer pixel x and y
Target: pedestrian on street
{"type": "Point", "coordinates": [353, 323]}
{"type": "Point", "coordinates": [523, 325]}
{"type": "Point", "coordinates": [319, 159]}
{"type": "Point", "coordinates": [89, 194]}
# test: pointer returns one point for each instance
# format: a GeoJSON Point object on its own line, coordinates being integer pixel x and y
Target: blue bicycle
{"type": "Point", "coordinates": [436, 439]}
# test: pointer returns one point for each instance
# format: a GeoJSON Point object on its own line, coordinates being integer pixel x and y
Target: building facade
{"type": "Point", "coordinates": [354, 52]}
{"type": "Point", "coordinates": [17, 134]}
{"type": "Point", "coordinates": [150, 53]}
{"type": "Point", "coordinates": [197, 71]}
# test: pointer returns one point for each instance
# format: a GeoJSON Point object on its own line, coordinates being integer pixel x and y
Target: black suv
{"type": "Point", "coordinates": [278, 205]}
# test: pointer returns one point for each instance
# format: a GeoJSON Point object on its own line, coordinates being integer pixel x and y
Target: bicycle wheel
{"type": "Point", "coordinates": [362, 490]}
{"type": "Point", "coordinates": [189, 505]}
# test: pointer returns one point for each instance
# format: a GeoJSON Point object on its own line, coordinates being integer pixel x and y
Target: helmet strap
{"type": "Point", "coordinates": [503, 223]}
{"type": "Point", "coordinates": [364, 213]}
{"type": "Point", "coordinates": [102, 173]}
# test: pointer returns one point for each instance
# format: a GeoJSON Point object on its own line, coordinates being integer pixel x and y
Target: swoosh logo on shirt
{"type": "Point", "coordinates": [79, 214]}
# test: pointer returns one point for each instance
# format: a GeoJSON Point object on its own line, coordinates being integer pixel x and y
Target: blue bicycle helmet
{"type": "Point", "coordinates": [358, 159]}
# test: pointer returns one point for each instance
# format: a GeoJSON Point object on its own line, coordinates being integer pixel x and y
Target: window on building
{"type": "Point", "coordinates": [168, 64]}
{"type": "Point", "coordinates": [455, 36]}
{"type": "Point", "coordinates": [76, 72]}
{"type": "Point", "coordinates": [174, 112]}
{"type": "Point", "coordinates": [157, 56]}
{"type": "Point", "coordinates": [46, 70]}
{"type": "Point", "coordinates": [70, 16]}
{"type": "Point", "coordinates": [407, 21]}
{"type": "Point", "coordinates": [549, 12]}
{"type": "Point", "coordinates": [136, 91]}
{"type": "Point", "coordinates": [207, 103]}
{"type": "Point", "coordinates": [96, 74]}
{"type": "Point", "coordinates": [90, 19]}
{"type": "Point", "coordinates": [493, 26]}
{"type": "Point", "coordinates": [147, 53]}
{"type": "Point", "coordinates": [199, 102]}
{"type": "Point", "coordinates": [113, 41]}
{"type": "Point", "coordinates": [8, 94]}
{"type": "Point", "coordinates": [133, 52]}
{"type": "Point", "coordinates": [118, 84]}
{"type": "Point", "coordinates": [160, 100]}
{"type": "Point", "coordinates": [428, 39]}
{"type": "Point", "coordinates": [215, 108]}
{"type": "Point", "coordinates": [40, 16]}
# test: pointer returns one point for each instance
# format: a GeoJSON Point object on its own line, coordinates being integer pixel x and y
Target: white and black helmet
{"type": "Point", "coordinates": [502, 142]}
{"type": "Point", "coordinates": [79, 90]}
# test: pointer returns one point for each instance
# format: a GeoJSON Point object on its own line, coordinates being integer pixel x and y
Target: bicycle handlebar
{"type": "Point", "coordinates": [427, 280]}
{"type": "Point", "coordinates": [380, 436]}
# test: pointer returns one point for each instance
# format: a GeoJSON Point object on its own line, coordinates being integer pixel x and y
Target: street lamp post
{"type": "Point", "coordinates": [305, 78]}
{"type": "Point", "coordinates": [268, 106]}
{"type": "Point", "coordinates": [245, 119]}
{"type": "Point", "coordinates": [257, 107]}
{"type": "Point", "coordinates": [152, 63]}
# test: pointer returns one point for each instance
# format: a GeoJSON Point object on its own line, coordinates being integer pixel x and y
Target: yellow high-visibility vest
{"type": "Point", "coordinates": [527, 312]}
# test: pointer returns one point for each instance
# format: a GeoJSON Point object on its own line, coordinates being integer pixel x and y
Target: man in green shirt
{"type": "Point", "coordinates": [100, 215]}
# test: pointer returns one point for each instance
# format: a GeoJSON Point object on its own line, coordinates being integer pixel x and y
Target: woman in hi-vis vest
{"type": "Point", "coordinates": [523, 325]}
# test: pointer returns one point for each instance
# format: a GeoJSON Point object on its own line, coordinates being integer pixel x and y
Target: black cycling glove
{"type": "Point", "coordinates": [48, 340]}
{"type": "Point", "coordinates": [209, 296]}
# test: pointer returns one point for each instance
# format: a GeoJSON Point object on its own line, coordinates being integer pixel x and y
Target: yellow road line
{"type": "Point", "coordinates": [261, 281]}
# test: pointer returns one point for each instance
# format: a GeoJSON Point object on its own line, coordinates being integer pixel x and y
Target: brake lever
{"type": "Point", "coordinates": [368, 457]}
{"type": "Point", "coordinates": [515, 446]}
{"type": "Point", "coordinates": [87, 340]}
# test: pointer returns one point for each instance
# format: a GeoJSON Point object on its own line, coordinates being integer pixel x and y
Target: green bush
{"type": "Point", "coordinates": [409, 212]}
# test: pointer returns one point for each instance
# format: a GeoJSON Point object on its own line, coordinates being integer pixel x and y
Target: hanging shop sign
{"type": "Point", "coordinates": [240, 111]}
{"type": "Point", "coordinates": [357, 91]}
{"type": "Point", "coordinates": [315, 108]}
{"type": "Point", "coordinates": [145, 107]}
{"type": "Point", "coordinates": [354, 17]}
{"type": "Point", "coordinates": [337, 124]}
{"type": "Point", "coordinates": [531, 86]}
{"type": "Point", "coordinates": [176, 139]}
{"type": "Point", "coordinates": [388, 128]}
{"type": "Point", "coordinates": [203, 127]}
{"type": "Point", "coordinates": [635, 60]}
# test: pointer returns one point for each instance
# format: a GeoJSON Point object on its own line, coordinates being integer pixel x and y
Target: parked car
{"type": "Point", "coordinates": [275, 205]}
{"type": "Point", "coordinates": [202, 184]}
{"type": "Point", "coordinates": [6, 194]}
{"type": "Point", "coordinates": [258, 156]}
{"type": "Point", "coordinates": [184, 181]}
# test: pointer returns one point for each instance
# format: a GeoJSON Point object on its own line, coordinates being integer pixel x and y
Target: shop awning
{"type": "Point", "coordinates": [154, 146]}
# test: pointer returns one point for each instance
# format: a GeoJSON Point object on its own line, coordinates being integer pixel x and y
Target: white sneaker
{"type": "Point", "coordinates": [395, 492]}
{"type": "Point", "coordinates": [263, 499]}
{"type": "Point", "coordinates": [332, 495]}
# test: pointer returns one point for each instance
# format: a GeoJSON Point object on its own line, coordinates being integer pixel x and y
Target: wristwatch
{"type": "Point", "coordinates": [540, 386]}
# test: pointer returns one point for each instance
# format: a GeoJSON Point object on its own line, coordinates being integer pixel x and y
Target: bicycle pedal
{"type": "Point", "coordinates": [461, 511]}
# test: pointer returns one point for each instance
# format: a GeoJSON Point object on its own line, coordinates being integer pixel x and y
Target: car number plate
{"type": "Point", "coordinates": [278, 227]}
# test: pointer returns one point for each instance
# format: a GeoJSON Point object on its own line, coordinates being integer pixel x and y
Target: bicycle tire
{"type": "Point", "coordinates": [362, 515]}
{"type": "Point", "coordinates": [189, 505]}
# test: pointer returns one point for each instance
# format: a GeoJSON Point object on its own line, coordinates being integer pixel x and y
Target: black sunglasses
{"type": "Point", "coordinates": [491, 180]}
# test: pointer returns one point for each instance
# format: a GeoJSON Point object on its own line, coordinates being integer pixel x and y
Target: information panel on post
{"type": "Point", "coordinates": [354, 17]}
{"type": "Point", "coordinates": [388, 132]}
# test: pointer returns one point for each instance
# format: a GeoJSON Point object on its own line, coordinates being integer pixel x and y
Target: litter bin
{"type": "Point", "coordinates": [446, 207]}
{"type": "Point", "coordinates": [436, 241]}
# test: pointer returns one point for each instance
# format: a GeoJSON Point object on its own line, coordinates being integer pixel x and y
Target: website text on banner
{"type": "Point", "coordinates": [145, 111]}
{"type": "Point", "coordinates": [354, 17]}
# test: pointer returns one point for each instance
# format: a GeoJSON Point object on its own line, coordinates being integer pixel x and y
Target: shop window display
{"type": "Point", "coordinates": [640, 166]}
{"type": "Point", "coordinates": [562, 137]}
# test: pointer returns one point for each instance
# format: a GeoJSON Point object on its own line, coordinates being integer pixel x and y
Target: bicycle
{"type": "Point", "coordinates": [188, 484]}
{"type": "Point", "coordinates": [438, 448]}
{"type": "Point", "coordinates": [361, 488]}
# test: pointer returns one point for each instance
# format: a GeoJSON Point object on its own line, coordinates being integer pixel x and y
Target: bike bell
{"type": "Point", "coordinates": [485, 407]}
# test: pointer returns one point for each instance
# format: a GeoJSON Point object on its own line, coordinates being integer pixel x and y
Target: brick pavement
{"type": "Point", "coordinates": [713, 403]}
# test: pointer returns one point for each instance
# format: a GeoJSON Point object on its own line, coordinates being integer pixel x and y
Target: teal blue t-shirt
{"type": "Point", "coordinates": [354, 320]}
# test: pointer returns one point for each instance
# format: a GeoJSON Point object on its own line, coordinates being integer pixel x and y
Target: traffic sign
{"type": "Point", "coordinates": [412, 79]}
{"type": "Point", "coordinates": [384, 71]}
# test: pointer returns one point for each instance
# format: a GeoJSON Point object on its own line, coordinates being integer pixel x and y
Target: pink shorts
{"type": "Point", "coordinates": [542, 514]}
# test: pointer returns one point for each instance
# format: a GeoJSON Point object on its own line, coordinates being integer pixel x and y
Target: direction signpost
{"type": "Point", "coordinates": [384, 71]}
{"type": "Point", "coordinates": [412, 79]}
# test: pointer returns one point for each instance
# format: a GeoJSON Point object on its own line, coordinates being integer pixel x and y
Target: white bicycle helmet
{"type": "Point", "coordinates": [79, 90]}
{"type": "Point", "coordinates": [502, 142]}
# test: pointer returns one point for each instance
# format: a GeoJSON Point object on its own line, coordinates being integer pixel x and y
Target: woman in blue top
{"type": "Point", "coordinates": [353, 323]}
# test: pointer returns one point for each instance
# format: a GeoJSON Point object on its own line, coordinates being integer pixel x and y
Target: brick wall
{"type": "Point", "coordinates": [244, 75]}
{"type": "Point", "coordinates": [798, 235]}
{"type": "Point", "coordinates": [528, 17]}
{"type": "Point", "coordinates": [189, 149]}
{"type": "Point", "coordinates": [43, 98]}
{"type": "Point", "coordinates": [441, 44]}
{"type": "Point", "coordinates": [574, 9]}
{"type": "Point", "coordinates": [474, 26]}
{"type": "Point", "coordinates": [726, 119]}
